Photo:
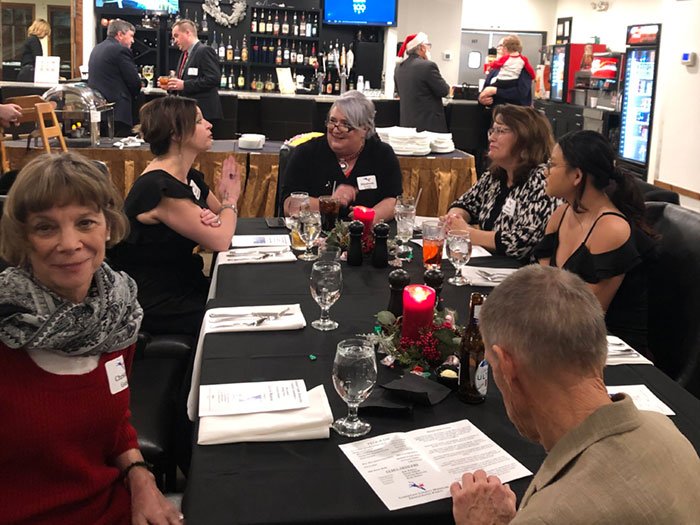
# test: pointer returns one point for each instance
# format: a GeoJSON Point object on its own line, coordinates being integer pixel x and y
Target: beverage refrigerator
{"type": "Point", "coordinates": [641, 59]}
{"type": "Point", "coordinates": [567, 60]}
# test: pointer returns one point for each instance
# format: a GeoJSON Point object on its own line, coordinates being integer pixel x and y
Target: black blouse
{"type": "Point", "coordinates": [627, 314]}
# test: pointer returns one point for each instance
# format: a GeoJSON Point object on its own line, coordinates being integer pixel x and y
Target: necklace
{"type": "Point", "coordinates": [343, 163]}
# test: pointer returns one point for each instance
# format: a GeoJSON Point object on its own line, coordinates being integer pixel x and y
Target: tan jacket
{"type": "Point", "coordinates": [621, 466]}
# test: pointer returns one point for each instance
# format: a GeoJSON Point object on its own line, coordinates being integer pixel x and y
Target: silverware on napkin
{"type": "Point", "coordinates": [491, 276]}
{"type": "Point", "coordinates": [267, 315]}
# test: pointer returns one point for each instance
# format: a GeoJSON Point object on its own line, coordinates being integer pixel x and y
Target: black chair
{"type": "Point", "coordinates": [285, 152]}
{"type": "Point", "coordinates": [674, 294]}
{"type": "Point", "coordinates": [156, 385]}
{"type": "Point", "coordinates": [652, 193]}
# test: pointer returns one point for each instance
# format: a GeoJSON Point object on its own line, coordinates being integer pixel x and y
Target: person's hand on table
{"type": "Point", "coordinates": [454, 221]}
{"type": "Point", "coordinates": [9, 114]}
{"type": "Point", "coordinates": [175, 84]}
{"type": "Point", "coordinates": [229, 186]}
{"type": "Point", "coordinates": [209, 218]}
{"type": "Point", "coordinates": [148, 505]}
{"type": "Point", "coordinates": [482, 500]}
{"type": "Point", "coordinates": [345, 194]}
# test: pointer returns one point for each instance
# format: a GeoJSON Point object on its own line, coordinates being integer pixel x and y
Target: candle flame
{"type": "Point", "coordinates": [419, 293]}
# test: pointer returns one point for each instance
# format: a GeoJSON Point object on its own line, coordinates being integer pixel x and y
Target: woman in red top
{"type": "Point", "coordinates": [68, 324]}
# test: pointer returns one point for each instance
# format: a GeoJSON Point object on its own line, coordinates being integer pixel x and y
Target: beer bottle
{"type": "Point", "coordinates": [473, 368]}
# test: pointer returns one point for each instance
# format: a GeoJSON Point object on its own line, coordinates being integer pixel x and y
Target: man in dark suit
{"type": "Point", "coordinates": [112, 72]}
{"type": "Point", "coordinates": [198, 72]}
{"type": "Point", "coordinates": [420, 87]}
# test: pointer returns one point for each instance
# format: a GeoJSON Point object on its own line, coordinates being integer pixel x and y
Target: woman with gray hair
{"type": "Point", "coordinates": [349, 157]}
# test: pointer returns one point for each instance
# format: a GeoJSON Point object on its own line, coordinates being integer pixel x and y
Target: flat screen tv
{"type": "Point", "coordinates": [360, 12]}
{"type": "Point", "coordinates": [163, 6]}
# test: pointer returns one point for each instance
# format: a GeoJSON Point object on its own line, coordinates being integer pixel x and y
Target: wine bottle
{"type": "Point", "coordinates": [241, 80]}
{"type": "Point", "coordinates": [302, 26]}
{"type": "Point", "coordinates": [473, 368]}
{"type": "Point", "coordinates": [229, 50]}
{"type": "Point", "coordinates": [308, 26]}
{"type": "Point", "coordinates": [268, 26]}
{"type": "Point", "coordinates": [244, 50]}
{"type": "Point", "coordinates": [264, 52]}
{"type": "Point", "coordinates": [314, 27]}
{"type": "Point", "coordinates": [222, 83]}
{"type": "Point", "coordinates": [205, 24]}
{"type": "Point", "coordinates": [222, 48]}
{"type": "Point", "coordinates": [286, 53]}
{"type": "Point", "coordinates": [295, 26]}
{"type": "Point", "coordinates": [285, 25]}
{"type": "Point", "coordinates": [278, 53]}
{"type": "Point", "coordinates": [215, 44]}
{"type": "Point", "coordinates": [254, 22]}
{"type": "Point", "coordinates": [237, 53]}
{"type": "Point", "coordinates": [276, 24]}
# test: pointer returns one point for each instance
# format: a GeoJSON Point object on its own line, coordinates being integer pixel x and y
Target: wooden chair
{"type": "Point", "coordinates": [26, 124]}
{"type": "Point", "coordinates": [45, 110]}
{"type": "Point", "coordinates": [4, 160]}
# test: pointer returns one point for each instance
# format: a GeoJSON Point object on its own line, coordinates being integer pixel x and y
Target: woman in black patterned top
{"type": "Point", "coordinates": [507, 210]}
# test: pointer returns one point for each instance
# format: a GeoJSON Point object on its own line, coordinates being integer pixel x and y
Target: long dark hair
{"type": "Point", "coordinates": [592, 153]}
{"type": "Point", "coordinates": [533, 140]}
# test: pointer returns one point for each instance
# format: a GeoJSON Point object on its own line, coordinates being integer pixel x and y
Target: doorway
{"type": "Point", "coordinates": [476, 43]}
{"type": "Point", "coordinates": [60, 41]}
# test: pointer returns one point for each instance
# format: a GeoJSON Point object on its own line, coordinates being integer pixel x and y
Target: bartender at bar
{"type": "Point", "coordinates": [349, 162]}
{"type": "Point", "coordinates": [198, 72]}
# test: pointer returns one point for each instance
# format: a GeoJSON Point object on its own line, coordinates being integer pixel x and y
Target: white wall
{"type": "Point", "coordinates": [440, 20]}
{"type": "Point", "coordinates": [509, 15]}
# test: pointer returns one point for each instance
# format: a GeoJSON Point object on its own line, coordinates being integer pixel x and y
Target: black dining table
{"type": "Point", "coordinates": [312, 482]}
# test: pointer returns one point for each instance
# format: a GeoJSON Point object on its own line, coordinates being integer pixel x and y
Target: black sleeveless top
{"type": "Point", "coordinates": [627, 314]}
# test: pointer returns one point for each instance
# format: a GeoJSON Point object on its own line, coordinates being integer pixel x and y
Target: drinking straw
{"type": "Point", "coordinates": [333, 190]}
{"type": "Point", "coordinates": [418, 197]}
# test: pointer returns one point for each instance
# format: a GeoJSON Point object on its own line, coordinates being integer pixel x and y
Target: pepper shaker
{"type": "Point", "coordinates": [435, 279]}
{"type": "Point", "coordinates": [380, 255]}
{"type": "Point", "coordinates": [398, 279]}
{"type": "Point", "coordinates": [355, 248]}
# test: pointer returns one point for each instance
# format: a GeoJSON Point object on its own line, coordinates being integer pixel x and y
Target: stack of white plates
{"type": "Point", "coordinates": [441, 143]}
{"type": "Point", "coordinates": [384, 133]}
{"type": "Point", "coordinates": [406, 141]}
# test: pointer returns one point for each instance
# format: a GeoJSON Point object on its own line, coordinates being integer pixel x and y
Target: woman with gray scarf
{"type": "Point", "coordinates": [68, 325]}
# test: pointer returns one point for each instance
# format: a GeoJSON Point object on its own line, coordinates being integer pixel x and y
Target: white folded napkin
{"type": "Point", "coordinates": [472, 274]}
{"type": "Point", "coordinates": [242, 318]}
{"type": "Point", "coordinates": [261, 255]}
{"type": "Point", "coordinates": [620, 353]}
{"type": "Point", "coordinates": [129, 142]}
{"type": "Point", "coordinates": [312, 422]}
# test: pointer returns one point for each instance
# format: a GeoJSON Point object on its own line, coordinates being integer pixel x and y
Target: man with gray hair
{"type": "Point", "coordinates": [420, 86]}
{"type": "Point", "coordinates": [607, 463]}
{"type": "Point", "coordinates": [112, 72]}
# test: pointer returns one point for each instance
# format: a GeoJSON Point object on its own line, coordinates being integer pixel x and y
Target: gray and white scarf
{"type": "Point", "coordinates": [35, 318]}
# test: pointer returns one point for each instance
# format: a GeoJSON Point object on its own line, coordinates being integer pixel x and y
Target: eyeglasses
{"type": "Point", "coordinates": [548, 165]}
{"type": "Point", "coordinates": [498, 130]}
{"type": "Point", "coordinates": [341, 125]}
{"type": "Point", "coordinates": [428, 45]}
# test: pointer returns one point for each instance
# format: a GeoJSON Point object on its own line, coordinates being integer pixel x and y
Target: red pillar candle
{"type": "Point", "coordinates": [365, 216]}
{"type": "Point", "coordinates": [418, 305]}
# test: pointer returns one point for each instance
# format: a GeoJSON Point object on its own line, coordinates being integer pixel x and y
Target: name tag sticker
{"type": "Point", "coordinates": [509, 206]}
{"type": "Point", "coordinates": [368, 182]}
{"type": "Point", "coordinates": [192, 71]}
{"type": "Point", "coordinates": [116, 375]}
{"type": "Point", "coordinates": [195, 190]}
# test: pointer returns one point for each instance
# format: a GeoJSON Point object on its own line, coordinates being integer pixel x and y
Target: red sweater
{"type": "Point", "coordinates": [59, 437]}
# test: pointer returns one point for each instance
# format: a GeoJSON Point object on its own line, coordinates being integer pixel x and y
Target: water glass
{"type": "Point", "coordinates": [326, 283]}
{"type": "Point", "coordinates": [309, 230]}
{"type": "Point", "coordinates": [433, 241]}
{"type": "Point", "coordinates": [354, 376]}
{"type": "Point", "coordinates": [298, 202]}
{"type": "Point", "coordinates": [329, 253]}
{"type": "Point", "coordinates": [459, 251]}
{"type": "Point", "coordinates": [405, 216]}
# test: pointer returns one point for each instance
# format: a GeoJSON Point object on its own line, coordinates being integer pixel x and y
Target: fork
{"type": "Point", "coordinates": [269, 315]}
{"type": "Point", "coordinates": [226, 322]}
{"type": "Point", "coordinates": [493, 277]}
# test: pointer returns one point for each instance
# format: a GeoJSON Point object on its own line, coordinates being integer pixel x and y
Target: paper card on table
{"type": "Point", "coordinates": [239, 241]}
{"type": "Point", "coordinates": [620, 353]}
{"type": "Point", "coordinates": [411, 468]}
{"type": "Point", "coordinates": [249, 398]}
{"type": "Point", "coordinates": [644, 399]}
{"type": "Point", "coordinates": [477, 251]}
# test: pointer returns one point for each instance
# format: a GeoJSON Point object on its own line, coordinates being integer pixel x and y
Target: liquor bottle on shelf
{"type": "Point", "coordinates": [302, 25]}
{"type": "Point", "coordinates": [473, 368]}
{"type": "Point", "coordinates": [263, 52]}
{"type": "Point", "coordinates": [295, 25]}
{"type": "Point", "coordinates": [259, 84]}
{"type": "Point", "coordinates": [196, 21]}
{"type": "Point", "coordinates": [329, 83]}
{"type": "Point", "coordinates": [328, 56]}
{"type": "Point", "coordinates": [241, 80]}
{"type": "Point", "coordinates": [187, 14]}
{"type": "Point", "coordinates": [229, 50]}
{"type": "Point", "coordinates": [253, 82]}
{"type": "Point", "coordinates": [205, 24]}
{"type": "Point", "coordinates": [313, 60]}
{"type": "Point", "coordinates": [286, 53]}
{"type": "Point", "coordinates": [268, 25]}
{"type": "Point", "coordinates": [276, 24]}
{"type": "Point", "coordinates": [314, 27]}
{"type": "Point", "coordinates": [231, 80]}
{"type": "Point", "coordinates": [244, 50]}
{"type": "Point", "coordinates": [308, 26]}
{"type": "Point", "coordinates": [222, 83]}
{"type": "Point", "coordinates": [222, 48]}
{"type": "Point", "coordinates": [254, 22]}
{"type": "Point", "coordinates": [236, 53]}
{"type": "Point", "coordinates": [285, 25]}
{"type": "Point", "coordinates": [342, 58]}
{"type": "Point", "coordinates": [278, 53]}
{"type": "Point", "coordinates": [256, 50]}
{"type": "Point", "coordinates": [336, 85]}
{"type": "Point", "coordinates": [300, 55]}
{"type": "Point", "coordinates": [271, 52]}
{"type": "Point", "coordinates": [215, 44]}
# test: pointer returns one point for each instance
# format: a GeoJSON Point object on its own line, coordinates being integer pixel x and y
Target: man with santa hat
{"type": "Point", "coordinates": [420, 86]}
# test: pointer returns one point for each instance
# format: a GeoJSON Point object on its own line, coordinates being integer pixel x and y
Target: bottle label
{"type": "Point", "coordinates": [477, 312]}
{"type": "Point", "coordinates": [481, 378]}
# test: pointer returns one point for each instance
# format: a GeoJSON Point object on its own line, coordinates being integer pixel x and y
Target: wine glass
{"type": "Point", "coordinates": [298, 201]}
{"type": "Point", "coordinates": [326, 283]}
{"type": "Point", "coordinates": [309, 230]}
{"type": "Point", "coordinates": [405, 216]}
{"type": "Point", "coordinates": [459, 251]}
{"type": "Point", "coordinates": [354, 375]}
{"type": "Point", "coordinates": [147, 72]}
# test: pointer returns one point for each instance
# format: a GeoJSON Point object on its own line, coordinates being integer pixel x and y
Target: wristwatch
{"type": "Point", "coordinates": [231, 207]}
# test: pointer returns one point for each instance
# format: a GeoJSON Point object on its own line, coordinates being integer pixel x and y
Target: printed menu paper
{"type": "Point", "coordinates": [248, 398]}
{"type": "Point", "coordinates": [241, 241]}
{"type": "Point", "coordinates": [410, 468]}
{"type": "Point", "coordinates": [643, 398]}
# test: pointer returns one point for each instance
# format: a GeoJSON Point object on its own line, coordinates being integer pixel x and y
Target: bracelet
{"type": "Point", "coordinates": [142, 464]}
{"type": "Point", "coordinates": [231, 207]}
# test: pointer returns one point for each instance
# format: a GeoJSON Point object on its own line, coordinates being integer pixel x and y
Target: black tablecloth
{"type": "Point", "coordinates": [312, 481]}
